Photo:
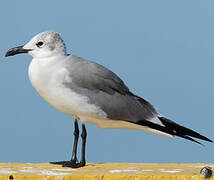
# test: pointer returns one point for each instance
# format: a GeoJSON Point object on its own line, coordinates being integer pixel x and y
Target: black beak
{"type": "Point", "coordinates": [17, 50]}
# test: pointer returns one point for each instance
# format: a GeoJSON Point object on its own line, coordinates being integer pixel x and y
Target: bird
{"type": "Point", "coordinates": [90, 93]}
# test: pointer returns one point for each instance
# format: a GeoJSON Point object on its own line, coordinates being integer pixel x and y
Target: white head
{"type": "Point", "coordinates": [45, 44]}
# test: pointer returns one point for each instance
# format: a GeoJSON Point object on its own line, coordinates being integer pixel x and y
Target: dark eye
{"type": "Point", "coordinates": [39, 44]}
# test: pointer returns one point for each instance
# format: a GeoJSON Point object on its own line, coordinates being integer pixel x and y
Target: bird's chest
{"type": "Point", "coordinates": [49, 81]}
{"type": "Point", "coordinates": [43, 77]}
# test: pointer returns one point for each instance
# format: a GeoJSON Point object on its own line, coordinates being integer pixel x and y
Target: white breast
{"type": "Point", "coordinates": [47, 77]}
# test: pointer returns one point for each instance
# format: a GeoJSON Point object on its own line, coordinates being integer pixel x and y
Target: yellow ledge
{"type": "Point", "coordinates": [104, 171]}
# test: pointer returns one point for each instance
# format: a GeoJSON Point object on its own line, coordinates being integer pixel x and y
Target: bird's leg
{"type": "Point", "coordinates": [74, 153]}
{"type": "Point", "coordinates": [82, 163]}
{"type": "Point", "coordinates": [83, 135]}
{"type": "Point", "coordinates": [76, 137]}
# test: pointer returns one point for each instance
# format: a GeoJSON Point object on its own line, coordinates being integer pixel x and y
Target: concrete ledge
{"type": "Point", "coordinates": [104, 171]}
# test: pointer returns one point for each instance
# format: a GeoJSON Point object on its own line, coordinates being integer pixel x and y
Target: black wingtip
{"type": "Point", "coordinates": [182, 131]}
{"type": "Point", "coordinates": [191, 139]}
{"type": "Point", "coordinates": [209, 140]}
{"type": "Point", "coordinates": [174, 129]}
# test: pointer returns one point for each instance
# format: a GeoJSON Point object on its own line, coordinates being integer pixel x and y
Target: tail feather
{"type": "Point", "coordinates": [175, 129]}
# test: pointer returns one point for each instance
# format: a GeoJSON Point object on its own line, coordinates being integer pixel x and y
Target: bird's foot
{"type": "Point", "coordinates": [59, 162]}
{"type": "Point", "coordinates": [72, 164]}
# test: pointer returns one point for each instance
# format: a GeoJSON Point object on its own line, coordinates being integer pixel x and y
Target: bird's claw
{"type": "Point", "coordinates": [72, 164]}
{"type": "Point", "coordinates": [59, 162]}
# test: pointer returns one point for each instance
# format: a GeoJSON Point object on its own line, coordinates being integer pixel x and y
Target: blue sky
{"type": "Point", "coordinates": [163, 50]}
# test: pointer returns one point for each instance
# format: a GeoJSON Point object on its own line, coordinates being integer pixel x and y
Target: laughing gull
{"type": "Point", "coordinates": [90, 92]}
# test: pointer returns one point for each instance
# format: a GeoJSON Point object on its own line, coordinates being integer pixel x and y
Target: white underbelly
{"type": "Point", "coordinates": [73, 104]}
{"type": "Point", "coordinates": [119, 124]}
{"type": "Point", "coordinates": [69, 102]}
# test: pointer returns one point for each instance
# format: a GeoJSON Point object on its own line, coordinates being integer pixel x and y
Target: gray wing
{"type": "Point", "coordinates": [106, 90]}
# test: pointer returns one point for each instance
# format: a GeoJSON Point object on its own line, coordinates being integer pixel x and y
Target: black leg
{"type": "Point", "coordinates": [83, 135]}
{"type": "Point", "coordinates": [73, 162]}
{"type": "Point", "coordinates": [74, 153]}
{"type": "Point", "coordinates": [82, 162]}
{"type": "Point", "coordinates": [76, 137]}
